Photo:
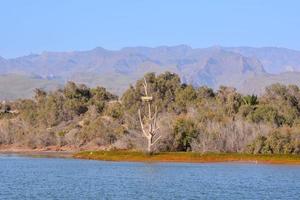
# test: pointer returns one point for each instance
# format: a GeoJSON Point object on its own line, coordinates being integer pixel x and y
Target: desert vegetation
{"type": "Point", "coordinates": [189, 119]}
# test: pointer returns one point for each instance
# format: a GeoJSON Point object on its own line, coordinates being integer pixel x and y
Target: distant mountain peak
{"type": "Point", "coordinates": [100, 49]}
{"type": "Point", "coordinates": [116, 69]}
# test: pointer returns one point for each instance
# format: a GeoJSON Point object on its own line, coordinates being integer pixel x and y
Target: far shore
{"type": "Point", "coordinates": [135, 156]}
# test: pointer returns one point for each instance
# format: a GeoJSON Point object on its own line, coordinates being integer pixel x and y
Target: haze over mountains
{"type": "Point", "coordinates": [246, 68]}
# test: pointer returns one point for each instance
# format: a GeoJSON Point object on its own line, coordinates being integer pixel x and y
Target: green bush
{"type": "Point", "coordinates": [275, 143]}
{"type": "Point", "coordinates": [184, 131]}
{"type": "Point", "coordinates": [266, 113]}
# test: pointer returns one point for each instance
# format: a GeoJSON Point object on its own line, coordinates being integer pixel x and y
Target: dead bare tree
{"type": "Point", "coordinates": [149, 125]}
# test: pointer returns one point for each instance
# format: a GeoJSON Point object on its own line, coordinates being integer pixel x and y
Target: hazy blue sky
{"type": "Point", "coordinates": [32, 26]}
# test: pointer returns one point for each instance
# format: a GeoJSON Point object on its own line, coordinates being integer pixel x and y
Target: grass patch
{"type": "Point", "coordinates": [134, 156]}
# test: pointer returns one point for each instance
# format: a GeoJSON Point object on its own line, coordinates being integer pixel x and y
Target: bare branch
{"type": "Point", "coordinates": [149, 111]}
{"type": "Point", "coordinates": [156, 129]}
{"type": "Point", "coordinates": [153, 143]}
{"type": "Point", "coordinates": [150, 128]}
{"type": "Point", "coordinates": [145, 86]}
{"type": "Point", "coordinates": [150, 122]}
{"type": "Point", "coordinates": [142, 125]}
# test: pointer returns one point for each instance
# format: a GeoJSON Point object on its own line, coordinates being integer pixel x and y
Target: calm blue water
{"type": "Point", "coordinates": [50, 178]}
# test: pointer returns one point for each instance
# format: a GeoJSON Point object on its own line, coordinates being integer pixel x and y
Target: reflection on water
{"type": "Point", "coordinates": [49, 178]}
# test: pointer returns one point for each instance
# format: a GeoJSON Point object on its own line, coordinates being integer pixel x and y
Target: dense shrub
{"type": "Point", "coordinates": [189, 118]}
{"type": "Point", "coordinates": [275, 143]}
{"type": "Point", "coordinates": [184, 131]}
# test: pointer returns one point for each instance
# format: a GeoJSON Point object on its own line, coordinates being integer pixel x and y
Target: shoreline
{"type": "Point", "coordinates": [188, 157]}
{"type": "Point", "coordinates": [165, 157]}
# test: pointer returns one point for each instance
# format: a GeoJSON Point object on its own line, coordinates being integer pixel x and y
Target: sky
{"type": "Point", "coordinates": [34, 26]}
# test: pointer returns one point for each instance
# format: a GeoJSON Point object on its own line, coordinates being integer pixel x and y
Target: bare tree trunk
{"type": "Point", "coordinates": [149, 129]}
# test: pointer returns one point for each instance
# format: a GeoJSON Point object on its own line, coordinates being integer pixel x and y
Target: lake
{"type": "Point", "coordinates": [54, 178]}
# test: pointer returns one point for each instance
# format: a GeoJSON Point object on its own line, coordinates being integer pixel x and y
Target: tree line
{"type": "Point", "coordinates": [189, 118]}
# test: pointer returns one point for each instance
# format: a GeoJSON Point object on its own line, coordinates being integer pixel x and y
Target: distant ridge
{"type": "Point", "coordinates": [212, 66]}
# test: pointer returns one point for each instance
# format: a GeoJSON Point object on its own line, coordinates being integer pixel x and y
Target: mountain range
{"type": "Point", "coordinates": [248, 69]}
